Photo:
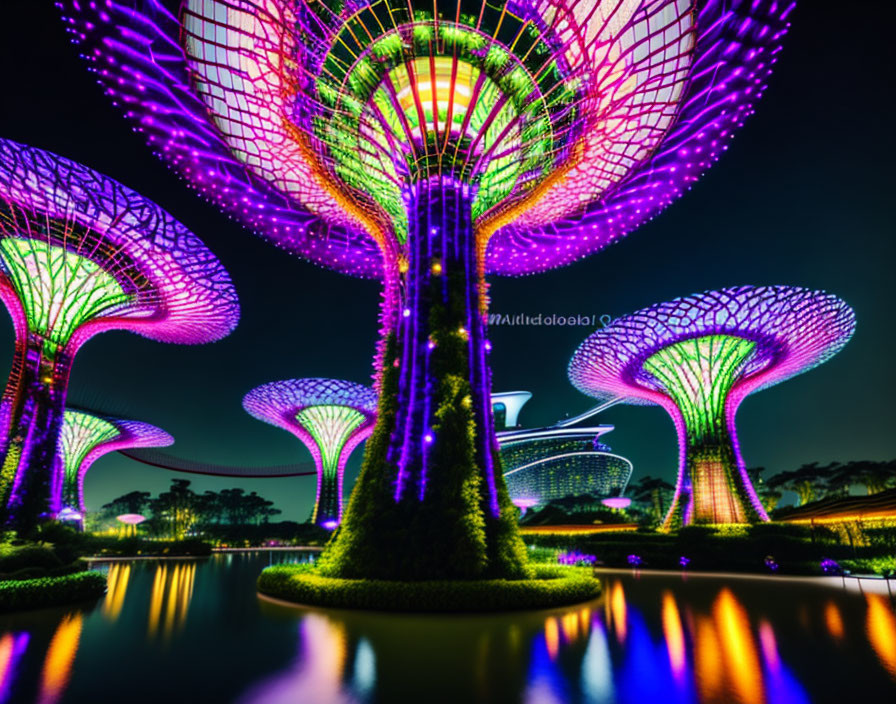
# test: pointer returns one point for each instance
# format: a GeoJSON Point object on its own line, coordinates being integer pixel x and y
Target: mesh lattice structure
{"type": "Point", "coordinates": [547, 467]}
{"type": "Point", "coordinates": [81, 254]}
{"type": "Point", "coordinates": [86, 437]}
{"type": "Point", "coordinates": [699, 357]}
{"type": "Point", "coordinates": [331, 417]}
{"type": "Point", "coordinates": [629, 102]}
{"type": "Point", "coordinates": [427, 144]}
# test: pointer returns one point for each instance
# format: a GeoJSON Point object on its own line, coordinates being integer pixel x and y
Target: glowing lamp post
{"type": "Point", "coordinates": [617, 503]}
{"type": "Point", "coordinates": [85, 437]}
{"type": "Point", "coordinates": [129, 523]}
{"type": "Point", "coordinates": [426, 145]}
{"type": "Point", "coordinates": [699, 357]}
{"type": "Point", "coordinates": [330, 417]}
{"type": "Point", "coordinates": [81, 254]}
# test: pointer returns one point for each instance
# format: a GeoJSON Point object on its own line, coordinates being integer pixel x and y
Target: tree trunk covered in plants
{"type": "Point", "coordinates": [31, 474]}
{"type": "Point", "coordinates": [430, 501]}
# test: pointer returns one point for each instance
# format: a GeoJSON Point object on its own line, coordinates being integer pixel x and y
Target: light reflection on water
{"type": "Point", "coordinates": [199, 624]}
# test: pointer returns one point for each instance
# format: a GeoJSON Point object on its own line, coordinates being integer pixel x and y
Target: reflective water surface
{"type": "Point", "coordinates": [195, 631]}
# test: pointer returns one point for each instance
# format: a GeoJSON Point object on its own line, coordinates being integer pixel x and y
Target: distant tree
{"type": "Point", "coordinates": [179, 509]}
{"type": "Point", "coordinates": [874, 476]}
{"type": "Point", "coordinates": [176, 509]}
{"type": "Point", "coordinates": [769, 496]}
{"type": "Point", "coordinates": [808, 482]}
{"type": "Point", "coordinates": [209, 509]}
{"type": "Point", "coordinates": [133, 502]}
{"type": "Point", "coordinates": [657, 493]}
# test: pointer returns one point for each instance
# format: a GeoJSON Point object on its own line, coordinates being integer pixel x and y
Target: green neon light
{"type": "Point", "coordinates": [365, 132]}
{"type": "Point", "coordinates": [698, 374]}
{"type": "Point", "coordinates": [59, 290]}
{"type": "Point", "coordinates": [80, 433]}
{"type": "Point", "coordinates": [330, 426]}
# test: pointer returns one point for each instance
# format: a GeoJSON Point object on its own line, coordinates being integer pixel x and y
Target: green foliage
{"type": "Point", "coordinates": [584, 509]}
{"type": "Point", "coordinates": [796, 549]}
{"type": "Point", "coordinates": [884, 538]}
{"type": "Point", "coordinates": [554, 586]}
{"type": "Point", "coordinates": [884, 566]}
{"type": "Point", "coordinates": [180, 510]}
{"type": "Point", "coordinates": [812, 481]}
{"type": "Point", "coordinates": [17, 557]}
{"type": "Point", "coordinates": [51, 591]}
{"type": "Point", "coordinates": [130, 547]}
{"type": "Point", "coordinates": [388, 46]}
{"type": "Point", "coordinates": [451, 534]}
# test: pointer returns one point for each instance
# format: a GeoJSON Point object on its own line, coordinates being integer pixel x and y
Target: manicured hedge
{"type": "Point", "coordinates": [133, 547]}
{"type": "Point", "coordinates": [554, 586]}
{"type": "Point", "coordinates": [796, 550]}
{"type": "Point", "coordinates": [18, 557]}
{"type": "Point", "coordinates": [17, 595]}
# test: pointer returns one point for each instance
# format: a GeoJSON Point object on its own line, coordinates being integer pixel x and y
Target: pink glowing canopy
{"type": "Point", "coordinates": [646, 95]}
{"type": "Point", "coordinates": [172, 288]}
{"type": "Point", "coordinates": [131, 519]}
{"type": "Point", "coordinates": [617, 502]}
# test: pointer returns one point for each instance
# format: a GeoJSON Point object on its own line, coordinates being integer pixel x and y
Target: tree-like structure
{"type": "Point", "coordinates": [331, 417]}
{"type": "Point", "coordinates": [85, 437]}
{"type": "Point", "coordinates": [81, 254]}
{"type": "Point", "coordinates": [427, 144]}
{"type": "Point", "coordinates": [699, 357]}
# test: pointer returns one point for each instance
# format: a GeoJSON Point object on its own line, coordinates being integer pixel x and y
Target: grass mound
{"type": "Point", "coordinates": [18, 595]}
{"type": "Point", "coordinates": [552, 587]}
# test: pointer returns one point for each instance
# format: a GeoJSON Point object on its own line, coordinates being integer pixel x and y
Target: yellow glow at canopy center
{"type": "Point", "coordinates": [59, 290]}
{"type": "Point", "coordinates": [330, 426]}
{"type": "Point", "coordinates": [419, 82]}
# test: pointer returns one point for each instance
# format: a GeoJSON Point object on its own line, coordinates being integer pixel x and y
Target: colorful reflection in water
{"type": "Point", "coordinates": [116, 587]}
{"type": "Point", "coordinates": [60, 656]}
{"type": "Point", "coordinates": [172, 590]}
{"type": "Point", "coordinates": [649, 638]}
{"type": "Point", "coordinates": [881, 627]}
{"type": "Point", "coordinates": [12, 646]}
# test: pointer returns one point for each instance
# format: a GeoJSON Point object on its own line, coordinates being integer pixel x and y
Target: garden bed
{"type": "Point", "coordinates": [552, 587]}
{"type": "Point", "coordinates": [21, 594]}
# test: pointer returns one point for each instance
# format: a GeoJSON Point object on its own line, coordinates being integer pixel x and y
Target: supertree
{"type": "Point", "coordinates": [699, 357]}
{"type": "Point", "coordinates": [81, 254]}
{"type": "Point", "coordinates": [85, 437]}
{"type": "Point", "coordinates": [427, 144]}
{"type": "Point", "coordinates": [331, 417]}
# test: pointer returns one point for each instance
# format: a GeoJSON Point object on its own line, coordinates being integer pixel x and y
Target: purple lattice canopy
{"type": "Point", "coordinates": [175, 289]}
{"type": "Point", "coordinates": [81, 254]}
{"type": "Point", "coordinates": [230, 94]}
{"type": "Point", "coordinates": [85, 437]}
{"type": "Point", "coordinates": [699, 357]}
{"type": "Point", "coordinates": [331, 417]}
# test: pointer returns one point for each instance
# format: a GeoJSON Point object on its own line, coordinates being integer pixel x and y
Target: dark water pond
{"type": "Point", "coordinates": [195, 631]}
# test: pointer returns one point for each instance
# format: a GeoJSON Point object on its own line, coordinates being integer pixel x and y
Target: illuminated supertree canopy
{"type": "Point", "coordinates": [428, 144]}
{"type": "Point", "coordinates": [331, 417]}
{"type": "Point", "coordinates": [85, 437]}
{"type": "Point", "coordinates": [81, 254]}
{"type": "Point", "coordinates": [699, 357]}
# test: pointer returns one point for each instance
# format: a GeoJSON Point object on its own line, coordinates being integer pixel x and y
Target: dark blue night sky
{"type": "Point", "coordinates": [802, 197]}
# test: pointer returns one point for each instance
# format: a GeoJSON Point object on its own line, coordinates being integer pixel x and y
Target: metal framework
{"type": "Point", "coordinates": [553, 463]}
{"type": "Point", "coordinates": [86, 437]}
{"type": "Point", "coordinates": [81, 254]}
{"type": "Point", "coordinates": [330, 417]}
{"type": "Point", "coordinates": [428, 144]}
{"type": "Point", "coordinates": [699, 357]}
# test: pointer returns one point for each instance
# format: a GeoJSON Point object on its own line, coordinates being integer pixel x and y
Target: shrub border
{"type": "Point", "coordinates": [552, 587]}
{"type": "Point", "coordinates": [23, 594]}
